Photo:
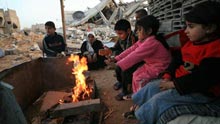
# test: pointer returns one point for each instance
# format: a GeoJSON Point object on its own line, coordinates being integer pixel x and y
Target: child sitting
{"type": "Point", "coordinates": [126, 39]}
{"type": "Point", "coordinates": [150, 48]}
{"type": "Point", "coordinates": [90, 49]}
{"type": "Point", "coordinates": [53, 43]}
{"type": "Point", "coordinates": [192, 79]}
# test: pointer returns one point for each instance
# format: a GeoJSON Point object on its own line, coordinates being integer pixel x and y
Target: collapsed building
{"type": "Point", "coordinates": [99, 19]}
{"type": "Point", "coordinates": [38, 28]}
{"type": "Point", "coordinates": [107, 12]}
{"type": "Point", "coordinates": [9, 21]}
{"type": "Point", "coordinates": [68, 17]}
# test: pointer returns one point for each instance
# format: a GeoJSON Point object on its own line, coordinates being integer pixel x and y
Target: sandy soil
{"type": "Point", "coordinates": [104, 81]}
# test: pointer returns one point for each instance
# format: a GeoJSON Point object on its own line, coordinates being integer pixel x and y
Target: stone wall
{"type": "Point", "coordinates": [9, 21]}
{"type": "Point", "coordinates": [171, 12]}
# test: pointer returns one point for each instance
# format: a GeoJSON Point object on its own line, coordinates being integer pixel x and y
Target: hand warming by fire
{"type": "Point", "coordinates": [81, 91]}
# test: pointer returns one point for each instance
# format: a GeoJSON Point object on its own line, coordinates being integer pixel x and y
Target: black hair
{"type": "Point", "coordinates": [151, 22]}
{"type": "Point", "coordinates": [50, 24]}
{"type": "Point", "coordinates": [123, 25]}
{"type": "Point", "coordinates": [142, 12]}
{"type": "Point", "coordinates": [206, 13]}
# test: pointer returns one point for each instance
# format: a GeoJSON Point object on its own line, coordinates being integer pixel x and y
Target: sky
{"type": "Point", "coordinates": [39, 11]}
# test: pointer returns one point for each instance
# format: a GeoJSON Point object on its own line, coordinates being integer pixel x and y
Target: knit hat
{"type": "Point", "coordinates": [205, 13]}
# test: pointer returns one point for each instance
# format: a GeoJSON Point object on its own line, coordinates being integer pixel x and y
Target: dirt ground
{"type": "Point", "coordinates": [105, 80]}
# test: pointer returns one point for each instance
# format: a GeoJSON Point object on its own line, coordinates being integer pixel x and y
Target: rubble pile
{"type": "Point", "coordinates": [18, 48]}
{"type": "Point", "coordinates": [76, 35]}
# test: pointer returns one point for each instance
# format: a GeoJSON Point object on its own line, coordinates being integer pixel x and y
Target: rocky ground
{"type": "Point", "coordinates": [105, 80]}
{"type": "Point", "coordinates": [19, 48]}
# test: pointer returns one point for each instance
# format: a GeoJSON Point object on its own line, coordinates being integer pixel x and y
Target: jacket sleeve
{"type": "Point", "coordinates": [117, 47]}
{"type": "Point", "coordinates": [126, 52]}
{"type": "Point", "coordinates": [47, 50]}
{"type": "Point", "coordinates": [98, 46]}
{"type": "Point", "coordinates": [63, 46]}
{"type": "Point", "coordinates": [175, 63]}
{"type": "Point", "coordinates": [134, 55]}
{"type": "Point", "coordinates": [83, 47]}
{"type": "Point", "coordinates": [200, 80]}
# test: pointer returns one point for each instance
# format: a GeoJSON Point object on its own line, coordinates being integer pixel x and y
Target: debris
{"type": "Point", "coordinates": [19, 48]}
{"type": "Point", "coordinates": [76, 108]}
{"type": "Point", "coordinates": [51, 98]}
{"type": "Point", "coordinates": [108, 114]}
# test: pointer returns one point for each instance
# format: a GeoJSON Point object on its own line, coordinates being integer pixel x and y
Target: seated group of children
{"type": "Point", "coordinates": [160, 80]}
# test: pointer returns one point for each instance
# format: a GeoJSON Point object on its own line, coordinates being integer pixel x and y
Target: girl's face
{"type": "Point", "coordinates": [142, 34]}
{"type": "Point", "coordinates": [196, 32]}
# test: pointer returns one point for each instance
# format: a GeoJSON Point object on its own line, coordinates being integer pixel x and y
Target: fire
{"type": "Point", "coordinates": [80, 89]}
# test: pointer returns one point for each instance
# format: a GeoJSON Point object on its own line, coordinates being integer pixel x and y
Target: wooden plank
{"type": "Point", "coordinates": [82, 107]}
{"type": "Point", "coordinates": [51, 98]}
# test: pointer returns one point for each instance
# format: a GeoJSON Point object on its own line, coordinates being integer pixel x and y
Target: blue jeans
{"type": "Point", "coordinates": [153, 102]}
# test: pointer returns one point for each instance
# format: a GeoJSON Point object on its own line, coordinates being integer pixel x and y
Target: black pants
{"type": "Point", "coordinates": [125, 77]}
{"type": "Point", "coordinates": [96, 65]}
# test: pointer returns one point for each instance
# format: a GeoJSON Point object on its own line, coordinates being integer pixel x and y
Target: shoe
{"type": "Point", "coordinates": [134, 107]}
{"type": "Point", "coordinates": [129, 115]}
{"type": "Point", "coordinates": [127, 97]}
{"type": "Point", "coordinates": [117, 86]}
{"type": "Point", "coordinates": [119, 97]}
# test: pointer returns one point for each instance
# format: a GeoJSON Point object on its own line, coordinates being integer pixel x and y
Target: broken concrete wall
{"type": "Point", "coordinates": [69, 17]}
{"type": "Point", "coordinates": [38, 28]}
{"type": "Point", "coordinates": [11, 21]}
{"type": "Point", "coordinates": [2, 20]}
{"type": "Point", "coordinates": [32, 78]}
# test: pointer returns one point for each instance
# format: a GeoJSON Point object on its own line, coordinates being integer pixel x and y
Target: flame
{"type": "Point", "coordinates": [79, 66]}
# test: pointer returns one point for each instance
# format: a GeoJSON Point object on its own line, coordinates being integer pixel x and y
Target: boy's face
{"type": "Point", "coordinates": [122, 34]}
{"type": "Point", "coordinates": [137, 16]}
{"type": "Point", "coordinates": [50, 30]}
{"type": "Point", "coordinates": [195, 32]}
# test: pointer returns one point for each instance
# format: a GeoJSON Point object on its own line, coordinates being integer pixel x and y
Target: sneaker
{"type": "Point", "coordinates": [119, 97]}
{"type": "Point", "coordinates": [117, 86]}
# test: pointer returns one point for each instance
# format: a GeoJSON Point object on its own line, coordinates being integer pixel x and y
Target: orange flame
{"type": "Point", "coordinates": [79, 66]}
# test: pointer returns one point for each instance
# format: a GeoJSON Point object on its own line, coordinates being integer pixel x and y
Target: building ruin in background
{"type": "Point", "coordinates": [171, 12]}
{"type": "Point", "coordinates": [9, 21]}
{"type": "Point", "coordinates": [107, 12]}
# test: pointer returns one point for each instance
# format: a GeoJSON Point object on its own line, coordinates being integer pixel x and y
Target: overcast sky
{"type": "Point", "coordinates": [39, 11]}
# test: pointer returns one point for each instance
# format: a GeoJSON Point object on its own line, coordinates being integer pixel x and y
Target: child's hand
{"type": "Point", "coordinates": [112, 59]}
{"type": "Point", "coordinates": [107, 61]}
{"type": "Point", "coordinates": [60, 55]}
{"type": "Point", "coordinates": [166, 84]}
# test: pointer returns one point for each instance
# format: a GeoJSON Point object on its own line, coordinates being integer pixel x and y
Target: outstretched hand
{"type": "Point", "coordinates": [60, 55]}
{"type": "Point", "coordinates": [166, 84]}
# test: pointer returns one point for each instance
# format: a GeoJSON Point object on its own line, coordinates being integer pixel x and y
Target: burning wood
{"type": "Point", "coordinates": [67, 109]}
{"type": "Point", "coordinates": [81, 91]}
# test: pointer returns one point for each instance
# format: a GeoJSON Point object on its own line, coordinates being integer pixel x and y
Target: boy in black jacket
{"type": "Point", "coordinates": [53, 43]}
